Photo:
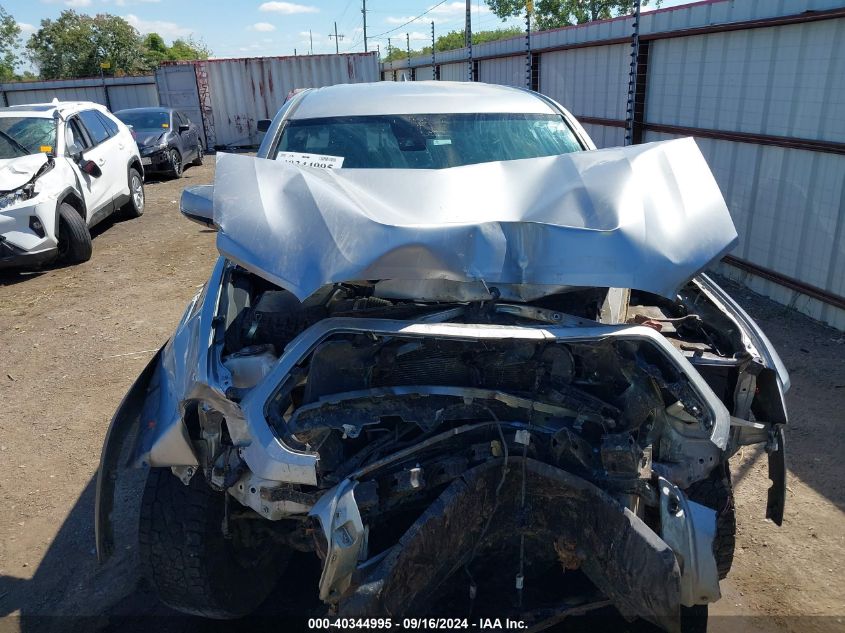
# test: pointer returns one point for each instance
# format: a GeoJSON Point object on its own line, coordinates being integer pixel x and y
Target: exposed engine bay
{"type": "Point", "coordinates": [408, 429]}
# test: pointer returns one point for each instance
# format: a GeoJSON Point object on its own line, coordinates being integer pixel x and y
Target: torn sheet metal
{"type": "Point", "coordinates": [646, 217]}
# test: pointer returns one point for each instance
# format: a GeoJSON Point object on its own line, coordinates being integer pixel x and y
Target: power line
{"type": "Point", "coordinates": [429, 10]}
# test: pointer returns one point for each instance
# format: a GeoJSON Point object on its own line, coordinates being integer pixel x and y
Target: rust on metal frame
{"type": "Point", "coordinates": [793, 284]}
{"type": "Point", "coordinates": [812, 145]}
{"type": "Point", "coordinates": [808, 144]}
{"type": "Point", "coordinates": [782, 20]}
{"type": "Point", "coordinates": [594, 120]}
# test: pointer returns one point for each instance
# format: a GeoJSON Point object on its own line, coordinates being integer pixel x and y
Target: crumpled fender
{"type": "Point", "coordinates": [124, 425]}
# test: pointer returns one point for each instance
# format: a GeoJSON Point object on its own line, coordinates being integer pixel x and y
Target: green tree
{"type": "Point", "coordinates": [155, 50]}
{"type": "Point", "coordinates": [551, 14]}
{"type": "Point", "coordinates": [9, 42]}
{"type": "Point", "coordinates": [188, 48]}
{"type": "Point", "coordinates": [454, 39]}
{"type": "Point", "coordinates": [75, 45]}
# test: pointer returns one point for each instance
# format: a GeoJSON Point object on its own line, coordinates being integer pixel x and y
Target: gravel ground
{"type": "Point", "coordinates": [73, 340]}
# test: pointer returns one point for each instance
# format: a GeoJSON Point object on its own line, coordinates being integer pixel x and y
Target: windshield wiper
{"type": "Point", "coordinates": [14, 141]}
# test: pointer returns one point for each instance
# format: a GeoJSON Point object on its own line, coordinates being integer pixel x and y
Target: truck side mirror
{"type": "Point", "coordinates": [197, 204]}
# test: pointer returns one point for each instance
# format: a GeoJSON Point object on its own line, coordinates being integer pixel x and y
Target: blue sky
{"type": "Point", "coordinates": [247, 28]}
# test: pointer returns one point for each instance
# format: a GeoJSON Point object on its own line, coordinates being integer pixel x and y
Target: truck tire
{"type": "Point", "coordinates": [716, 492]}
{"type": "Point", "coordinates": [74, 237]}
{"type": "Point", "coordinates": [191, 565]}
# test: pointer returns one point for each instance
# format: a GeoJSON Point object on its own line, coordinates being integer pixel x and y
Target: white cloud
{"type": "Point", "coordinates": [76, 4]}
{"type": "Point", "coordinates": [165, 29]}
{"type": "Point", "coordinates": [264, 27]}
{"type": "Point", "coordinates": [287, 8]}
{"type": "Point", "coordinates": [449, 12]}
{"type": "Point", "coordinates": [455, 9]}
{"type": "Point", "coordinates": [126, 3]}
{"type": "Point", "coordinates": [417, 36]}
{"type": "Point", "coordinates": [26, 28]}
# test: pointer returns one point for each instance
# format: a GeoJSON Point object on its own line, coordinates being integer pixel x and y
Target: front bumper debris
{"type": "Point", "coordinates": [480, 515]}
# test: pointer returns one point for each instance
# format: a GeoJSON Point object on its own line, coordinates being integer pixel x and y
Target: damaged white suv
{"type": "Point", "coordinates": [64, 166]}
{"type": "Point", "coordinates": [471, 366]}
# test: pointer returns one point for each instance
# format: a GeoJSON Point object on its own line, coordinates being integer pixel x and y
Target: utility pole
{"type": "Point", "coordinates": [433, 67]}
{"type": "Point", "coordinates": [311, 38]}
{"type": "Point", "coordinates": [364, 11]}
{"type": "Point", "coordinates": [529, 9]}
{"type": "Point", "coordinates": [468, 38]}
{"type": "Point", "coordinates": [389, 49]}
{"type": "Point", "coordinates": [294, 52]}
{"type": "Point", "coordinates": [408, 48]}
{"type": "Point", "coordinates": [337, 39]}
{"type": "Point", "coordinates": [632, 76]}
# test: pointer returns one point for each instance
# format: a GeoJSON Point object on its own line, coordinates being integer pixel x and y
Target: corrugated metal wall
{"type": "Point", "coordinates": [426, 73]}
{"type": "Point", "coordinates": [784, 80]}
{"type": "Point", "coordinates": [453, 72]}
{"type": "Point", "coordinates": [123, 92]}
{"type": "Point", "coordinates": [759, 84]}
{"type": "Point", "coordinates": [242, 91]}
{"type": "Point", "coordinates": [507, 71]}
{"type": "Point", "coordinates": [590, 81]}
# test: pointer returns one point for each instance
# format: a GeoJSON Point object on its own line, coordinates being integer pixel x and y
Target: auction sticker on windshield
{"type": "Point", "coordinates": [310, 160]}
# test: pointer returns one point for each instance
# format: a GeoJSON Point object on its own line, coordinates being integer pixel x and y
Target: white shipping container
{"type": "Point", "coordinates": [231, 95]}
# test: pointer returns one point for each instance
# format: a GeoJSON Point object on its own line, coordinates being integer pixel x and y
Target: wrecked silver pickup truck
{"type": "Point", "coordinates": [474, 370]}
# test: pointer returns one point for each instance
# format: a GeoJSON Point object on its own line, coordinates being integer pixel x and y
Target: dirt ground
{"type": "Point", "coordinates": [72, 340]}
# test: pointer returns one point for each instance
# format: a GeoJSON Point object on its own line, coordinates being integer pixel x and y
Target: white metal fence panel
{"type": "Point", "coordinates": [788, 206]}
{"type": "Point", "coordinates": [75, 93]}
{"type": "Point", "coordinates": [783, 81]}
{"type": "Point", "coordinates": [123, 92]}
{"type": "Point", "coordinates": [605, 135]}
{"type": "Point", "coordinates": [588, 81]}
{"type": "Point", "coordinates": [453, 72]}
{"type": "Point", "coordinates": [424, 73]}
{"type": "Point", "coordinates": [507, 71]}
{"type": "Point", "coordinates": [137, 96]}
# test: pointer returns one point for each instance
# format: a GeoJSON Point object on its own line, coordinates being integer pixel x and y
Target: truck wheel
{"type": "Point", "coordinates": [187, 559]}
{"type": "Point", "coordinates": [135, 207]}
{"type": "Point", "coordinates": [74, 238]}
{"type": "Point", "coordinates": [716, 492]}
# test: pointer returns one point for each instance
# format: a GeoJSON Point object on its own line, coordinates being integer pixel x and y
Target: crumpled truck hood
{"type": "Point", "coordinates": [647, 217]}
{"type": "Point", "coordinates": [16, 172]}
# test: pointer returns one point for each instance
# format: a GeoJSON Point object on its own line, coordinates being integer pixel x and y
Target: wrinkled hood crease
{"type": "Point", "coordinates": [646, 217]}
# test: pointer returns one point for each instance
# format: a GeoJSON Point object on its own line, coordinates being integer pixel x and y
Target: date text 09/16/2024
{"type": "Point", "coordinates": [416, 624]}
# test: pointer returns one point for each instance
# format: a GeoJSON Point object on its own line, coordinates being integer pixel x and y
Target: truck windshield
{"type": "Point", "coordinates": [424, 141]}
{"type": "Point", "coordinates": [21, 136]}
